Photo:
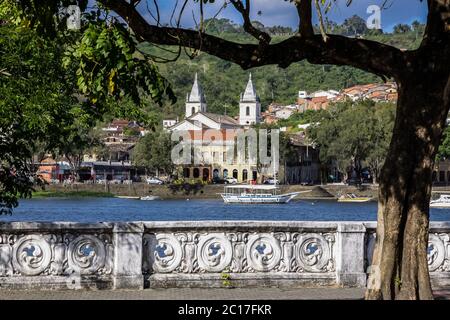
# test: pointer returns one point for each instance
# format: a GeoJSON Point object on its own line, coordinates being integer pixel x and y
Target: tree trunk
{"type": "Point", "coordinates": [399, 267]}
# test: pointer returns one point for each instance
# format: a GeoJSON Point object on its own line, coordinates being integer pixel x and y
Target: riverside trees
{"type": "Point", "coordinates": [354, 133]}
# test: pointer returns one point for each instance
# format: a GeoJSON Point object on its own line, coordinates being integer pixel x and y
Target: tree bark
{"type": "Point", "coordinates": [399, 267]}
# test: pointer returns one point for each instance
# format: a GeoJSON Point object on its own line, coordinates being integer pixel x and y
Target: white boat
{"type": "Point", "coordinates": [248, 193]}
{"type": "Point", "coordinates": [150, 198]}
{"type": "Point", "coordinates": [128, 197]}
{"type": "Point", "coordinates": [442, 202]}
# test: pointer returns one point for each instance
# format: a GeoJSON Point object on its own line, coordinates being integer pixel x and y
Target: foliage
{"type": "Point", "coordinates": [35, 103]}
{"type": "Point", "coordinates": [354, 133]}
{"type": "Point", "coordinates": [153, 151]}
{"type": "Point", "coordinates": [42, 110]}
{"type": "Point", "coordinates": [444, 149]}
{"type": "Point", "coordinates": [107, 65]}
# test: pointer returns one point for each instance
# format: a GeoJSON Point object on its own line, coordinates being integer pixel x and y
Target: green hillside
{"type": "Point", "coordinates": [223, 81]}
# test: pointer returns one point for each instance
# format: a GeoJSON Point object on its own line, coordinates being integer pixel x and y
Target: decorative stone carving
{"type": "Point", "coordinates": [437, 244]}
{"type": "Point", "coordinates": [239, 252]}
{"type": "Point", "coordinates": [167, 254]}
{"type": "Point", "coordinates": [263, 252]}
{"type": "Point", "coordinates": [312, 252]}
{"type": "Point", "coordinates": [31, 255]}
{"type": "Point", "coordinates": [86, 254]}
{"type": "Point", "coordinates": [214, 252]}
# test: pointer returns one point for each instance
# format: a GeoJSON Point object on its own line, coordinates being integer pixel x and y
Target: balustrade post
{"type": "Point", "coordinates": [350, 255]}
{"type": "Point", "coordinates": [127, 242]}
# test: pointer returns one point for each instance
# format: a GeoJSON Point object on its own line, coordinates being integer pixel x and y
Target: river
{"type": "Point", "coordinates": [115, 209]}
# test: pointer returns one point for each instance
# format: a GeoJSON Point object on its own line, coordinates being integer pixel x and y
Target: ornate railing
{"type": "Point", "coordinates": [200, 253]}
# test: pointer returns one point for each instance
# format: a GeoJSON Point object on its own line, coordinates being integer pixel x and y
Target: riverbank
{"type": "Point", "coordinates": [71, 194]}
{"type": "Point", "coordinates": [192, 192]}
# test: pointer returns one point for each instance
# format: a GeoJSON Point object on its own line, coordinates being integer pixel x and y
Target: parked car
{"type": "Point", "coordinates": [218, 180]}
{"type": "Point", "coordinates": [154, 180]}
{"type": "Point", "coordinates": [271, 181]}
{"type": "Point", "coordinates": [231, 180]}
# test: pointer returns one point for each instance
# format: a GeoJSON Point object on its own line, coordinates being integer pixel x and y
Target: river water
{"type": "Point", "coordinates": [115, 209]}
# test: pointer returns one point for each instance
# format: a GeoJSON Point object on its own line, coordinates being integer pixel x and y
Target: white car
{"type": "Point", "coordinates": [154, 181]}
{"type": "Point", "coordinates": [272, 181]}
{"type": "Point", "coordinates": [231, 180]}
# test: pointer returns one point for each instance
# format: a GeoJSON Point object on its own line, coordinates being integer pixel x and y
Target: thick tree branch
{"type": "Point", "coordinates": [371, 56]}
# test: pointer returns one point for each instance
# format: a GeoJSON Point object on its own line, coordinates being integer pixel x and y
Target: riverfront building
{"type": "Point", "coordinates": [214, 135]}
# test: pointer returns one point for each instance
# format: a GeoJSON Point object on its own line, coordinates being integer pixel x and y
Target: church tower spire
{"type": "Point", "coordinates": [195, 101]}
{"type": "Point", "coordinates": [249, 105]}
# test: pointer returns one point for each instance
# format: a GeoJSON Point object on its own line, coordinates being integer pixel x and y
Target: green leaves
{"type": "Point", "coordinates": [351, 132]}
{"type": "Point", "coordinates": [108, 66]}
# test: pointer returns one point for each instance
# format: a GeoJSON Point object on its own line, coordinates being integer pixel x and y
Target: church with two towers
{"type": "Point", "coordinates": [197, 116]}
{"type": "Point", "coordinates": [214, 162]}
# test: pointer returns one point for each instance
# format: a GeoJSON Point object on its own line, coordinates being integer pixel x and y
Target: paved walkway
{"type": "Point", "coordinates": [198, 294]}
{"type": "Point", "coordinates": [188, 294]}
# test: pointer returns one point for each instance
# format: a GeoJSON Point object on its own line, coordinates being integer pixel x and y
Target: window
{"type": "Point", "coordinates": [247, 111]}
{"type": "Point", "coordinates": [193, 110]}
{"type": "Point", "coordinates": [196, 172]}
{"type": "Point", "coordinates": [244, 175]}
{"type": "Point", "coordinates": [225, 173]}
{"type": "Point", "coordinates": [205, 174]}
{"type": "Point", "coordinates": [186, 172]}
{"type": "Point", "coordinates": [235, 174]}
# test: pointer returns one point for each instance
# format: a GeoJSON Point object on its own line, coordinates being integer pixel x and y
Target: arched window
{"type": "Point", "coordinates": [196, 172]}
{"type": "Point", "coordinates": [186, 172]}
{"type": "Point", "coordinates": [247, 111]}
{"type": "Point", "coordinates": [205, 175]}
{"type": "Point", "coordinates": [235, 173]}
{"type": "Point", "coordinates": [215, 173]}
{"type": "Point", "coordinates": [193, 110]}
{"type": "Point", "coordinates": [244, 175]}
{"type": "Point", "coordinates": [225, 173]}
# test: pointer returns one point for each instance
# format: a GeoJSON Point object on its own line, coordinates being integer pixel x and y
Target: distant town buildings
{"type": "Point", "coordinates": [120, 136]}
{"type": "Point", "coordinates": [321, 99]}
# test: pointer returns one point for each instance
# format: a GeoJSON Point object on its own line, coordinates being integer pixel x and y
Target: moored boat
{"type": "Point", "coordinates": [150, 198]}
{"type": "Point", "coordinates": [351, 197]}
{"type": "Point", "coordinates": [256, 194]}
{"type": "Point", "coordinates": [442, 202]}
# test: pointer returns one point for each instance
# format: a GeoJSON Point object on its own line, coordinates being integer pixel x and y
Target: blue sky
{"type": "Point", "coordinates": [280, 12]}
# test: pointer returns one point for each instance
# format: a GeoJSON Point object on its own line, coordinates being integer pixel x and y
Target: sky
{"type": "Point", "coordinates": [281, 12]}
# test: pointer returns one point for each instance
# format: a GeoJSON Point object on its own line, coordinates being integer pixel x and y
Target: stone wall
{"type": "Point", "coordinates": [135, 255]}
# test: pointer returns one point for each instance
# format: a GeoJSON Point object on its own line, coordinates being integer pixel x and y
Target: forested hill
{"type": "Point", "coordinates": [223, 81]}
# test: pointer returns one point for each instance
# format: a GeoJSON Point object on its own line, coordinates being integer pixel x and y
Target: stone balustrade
{"type": "Point", "coordinates": [63, 255]}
